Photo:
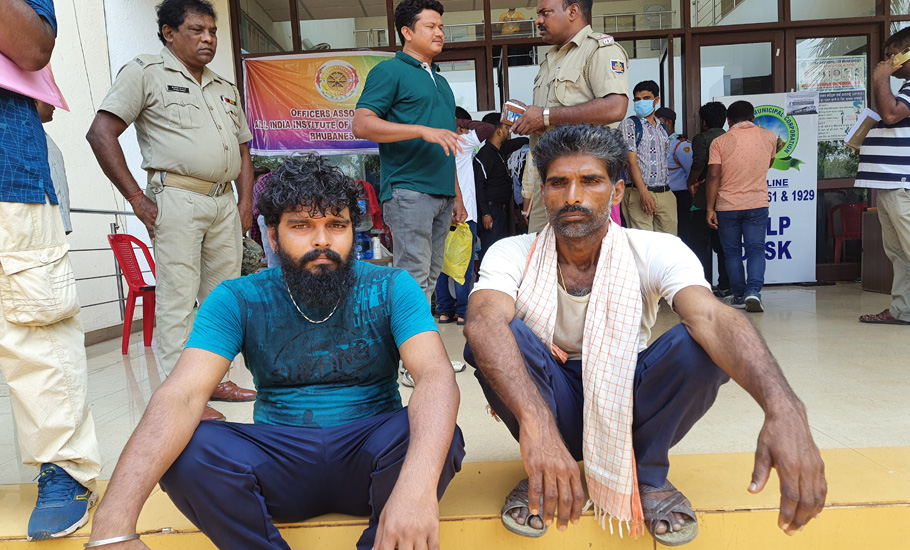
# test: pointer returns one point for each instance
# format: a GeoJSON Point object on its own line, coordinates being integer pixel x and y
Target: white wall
{"type": "Point", "coordinates": [94, 40]}
{"type": "Point", "coordinates": [80, 63]}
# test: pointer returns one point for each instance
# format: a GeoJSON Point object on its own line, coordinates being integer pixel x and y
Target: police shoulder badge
{"type": "Point", "coordinates": [617, 66]}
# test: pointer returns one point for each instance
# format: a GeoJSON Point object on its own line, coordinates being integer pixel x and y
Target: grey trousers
{"type": "Point", "coordinates": [420, 224]}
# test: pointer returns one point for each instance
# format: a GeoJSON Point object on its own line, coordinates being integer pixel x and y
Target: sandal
{"type": "Point", "coordinates": [657, 511]}
{"type": "Point", "coordinates": [446, 318]}
{"type": "Point", "coordinates": [883, 318]}
{"type": "Point", "coordinates": [460, 322]}
{"type": "Point", "coordinates": [518, 498]}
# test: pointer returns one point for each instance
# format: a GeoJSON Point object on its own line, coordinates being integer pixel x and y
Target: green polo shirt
{"type": "Point", "coordinates": [400, 90]}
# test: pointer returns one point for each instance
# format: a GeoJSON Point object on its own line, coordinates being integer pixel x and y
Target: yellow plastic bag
{"type": "Point", "coordinates": [459, 247]}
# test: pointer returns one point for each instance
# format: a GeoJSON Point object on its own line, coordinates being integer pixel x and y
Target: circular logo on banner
{"type": "Point", "coordinates": [775, 119]}
{"type": "Point", "coordinates": [337, 80]}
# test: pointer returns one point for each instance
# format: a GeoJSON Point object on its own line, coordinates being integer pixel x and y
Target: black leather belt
{"type": "Point", "coordinates": [500, 205]}
{"type": "Point", "coordinates": [659, 189]}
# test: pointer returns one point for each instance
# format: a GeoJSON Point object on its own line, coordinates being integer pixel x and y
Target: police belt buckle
{"type": "Point", "coordinates": [217, 189]}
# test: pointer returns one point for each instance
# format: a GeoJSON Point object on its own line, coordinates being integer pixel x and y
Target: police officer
{"type": "Point", "coordinates": [583, 79]}
{"type": "Point", "coordinates": [193, 138]}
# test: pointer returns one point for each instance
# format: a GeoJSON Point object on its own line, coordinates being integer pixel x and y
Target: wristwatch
{"type": "Point", "coordinates": [546, 116]}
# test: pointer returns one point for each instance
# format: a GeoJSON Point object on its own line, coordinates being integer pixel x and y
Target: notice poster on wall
{"type": "Point", "coordinates": [792, 189]}
{"type": "Point", "coordinates": [838, 112]}
{"type": "Point", "coordinates": [306, 102]}
{"type": "Point", "coordinates": [826, 74]}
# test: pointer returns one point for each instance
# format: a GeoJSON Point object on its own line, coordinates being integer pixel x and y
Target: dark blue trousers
{"type": "Point", "coordinates": [675, 384]}
{"type": "Point", "coordinates": [234, 480]}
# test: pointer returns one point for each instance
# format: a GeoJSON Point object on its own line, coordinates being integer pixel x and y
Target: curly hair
{"type": "Point", "coordinates": [569, 140]}
{"type": "Point", "coordinates": [173, 12]}
{"type": "Point", "coordinates": [308, 181]}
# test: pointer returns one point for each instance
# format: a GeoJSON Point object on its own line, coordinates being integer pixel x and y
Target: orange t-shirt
{"type": "Point", "coordinates": [744, 154]}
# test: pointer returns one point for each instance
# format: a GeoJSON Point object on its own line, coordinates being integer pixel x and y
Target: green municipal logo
{"type": "Point", "coordinates": [775, 119]}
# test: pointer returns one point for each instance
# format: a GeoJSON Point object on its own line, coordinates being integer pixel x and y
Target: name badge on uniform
{"type": "Point", "coordinates": [180, 89]}
{"type": "Point", "coordinates": [617, 66]}
{"type": "Point", "coordinates": [230, 101]}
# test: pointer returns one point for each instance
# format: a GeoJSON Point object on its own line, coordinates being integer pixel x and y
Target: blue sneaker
{"type": "Point", "coordinates": [753, 303]}
{"type": "Point", "coordinates": [735, 301]}
{"type": "Point", "coordinates": [62, 506]}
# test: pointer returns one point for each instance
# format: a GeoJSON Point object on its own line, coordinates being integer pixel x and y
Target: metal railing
{"type": "Point", "coordinates": [117, 274]}
{"type": "Point", "coordinates": [461, 32]}
{"type": "Point", "coordinates": [664, 20]}
{"type": "Point", "coordinates": [710, 12]}
{"type": "Point", "coordinates": [380, 34]}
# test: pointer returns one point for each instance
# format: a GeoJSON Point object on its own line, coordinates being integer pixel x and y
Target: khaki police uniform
{"type": "Point", "coordinates": [589, 66]}
{"type": "Point", "coordinates": [189, 135]}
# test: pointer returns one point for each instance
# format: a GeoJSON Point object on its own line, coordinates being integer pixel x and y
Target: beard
{"type": "Point", "coordinates": [581, 228]}
{"type": "Point", "coordinates": [323, 287]}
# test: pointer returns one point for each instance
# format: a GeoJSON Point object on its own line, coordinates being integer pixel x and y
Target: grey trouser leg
{"type": "Point", "coordinates": [420, 224]}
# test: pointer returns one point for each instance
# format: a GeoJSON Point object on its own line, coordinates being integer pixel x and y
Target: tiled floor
{"type": "Point", "coordinates": [852, 377]}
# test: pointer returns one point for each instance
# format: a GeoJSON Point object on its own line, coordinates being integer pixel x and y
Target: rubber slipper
{"type": "Point", "coordinates": [883, 318]}
{"type": "Point", "coordinates": [657, 511]}
{"type": "Point", "coordinates": [518, 498]}
{"type": "Point", "coordinates": [460, 322]}
{"type": "Point", "coordinates": [448, 318]}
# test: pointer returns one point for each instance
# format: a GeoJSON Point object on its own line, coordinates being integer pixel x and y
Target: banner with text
{"type": "Point", "coordinates": [792, 189]}
{"type": "Point", "coordinates": [305, 102]}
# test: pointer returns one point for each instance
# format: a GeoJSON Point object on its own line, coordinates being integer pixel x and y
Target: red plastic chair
{"type": "Point", "coordinates": [122, 245]}
{"type": "Point", "coordinates": [851, 225]}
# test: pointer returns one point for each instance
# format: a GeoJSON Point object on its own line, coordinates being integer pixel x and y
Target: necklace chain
{"type": "Point", "coordinates": [569, 294]}
{"type": "Point", "coordinates": [304, 314]}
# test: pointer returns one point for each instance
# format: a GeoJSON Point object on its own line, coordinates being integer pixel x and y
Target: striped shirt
{"type": "Point", "coordinates": [884, 158]}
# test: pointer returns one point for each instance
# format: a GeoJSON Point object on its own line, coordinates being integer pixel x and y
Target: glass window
{"type": "Point", "coordinates": [635, 15]}
{"type": "Point", "coordinates": [648, 61]}
{"type": "Point", "coordinates": [801, 10]}
{"type": "Point", "coordinates": [265, 28]}
{"type": "Point", "coordinates": [710, 13]}
{"type": "Point", "coordinates": [735, 69]}
{"type": "Point", "coordinates": [327, 24]}
{"type": "Point", "coordinates": [837, 68]}
{"type": "Point", "coordinates": [900, 7]}
{"type": "Point", "coordinates": [462, 78]}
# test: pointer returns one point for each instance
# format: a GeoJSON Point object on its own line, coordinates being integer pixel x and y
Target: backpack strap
{"type": "Point", "coordinates": [639, 130]}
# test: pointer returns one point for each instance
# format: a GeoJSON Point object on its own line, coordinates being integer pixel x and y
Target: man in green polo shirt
{"type": "Point", "coordinates": [409, 109]}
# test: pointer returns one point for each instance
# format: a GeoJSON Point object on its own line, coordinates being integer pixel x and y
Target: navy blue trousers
{"type": "Point", "coordinates": [234, 480]}
{"type": "Point", "coordinates": [674, 386]}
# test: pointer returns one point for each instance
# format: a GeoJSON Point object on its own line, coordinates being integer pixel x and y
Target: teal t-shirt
{"type": "Point", "coordinates": [400, 90]}
{"type": "Point", "coordinates": [316, 375]}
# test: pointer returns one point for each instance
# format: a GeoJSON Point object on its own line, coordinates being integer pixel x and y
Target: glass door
{"type": "Point", "coordinates": [731, 65]}
{"type": "Point", "coordinates": [466, 70]}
